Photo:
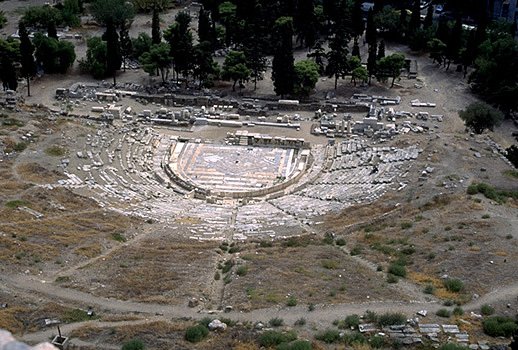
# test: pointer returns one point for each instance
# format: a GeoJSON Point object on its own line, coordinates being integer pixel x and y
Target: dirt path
{"type": "Point", "coordinates": [322, 315]}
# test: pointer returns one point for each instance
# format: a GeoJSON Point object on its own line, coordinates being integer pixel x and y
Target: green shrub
{"type": "Point", "coordinates": [76, 315]}
{"type": "Point", "coordinates": [242, 270]}
{"type": "Point", "coordinates": [118, 237]}
{"type": "Point", "coordinates": [370, 316]}
{"type": "Point", "coordinates": [487, 310]}
{"type": "Point", "coordinates": [356, 250]}
{"type": "Point", "coordinates": [292, 301]}
{"type": "Point", "coordinates": [328, 336]}
{"type": "Point", "coordinates": [227, 266]}
{"type": "Point", "coordinates": [499, 326]}
{"type": "Point", "coordinates": [205, 321]}
{"type": "Point", "coordinates": [377, 342]}
{"type": "Point", "coordinates": [340, 242]}
{"type": "Point", "coordinates": [135, 344]}
{"type": "Point", "coordinates": [458, 311]}
{"type": "Point", "coordinates": [295, 345]}
{"type": "Point", "coordinates": [354, 338]}
{"type": "Point", "coordinates": [352, 321]}
{"type": "Point", "coordinates": [217, 276]}
{"type": "Point", "coordinates": [392, 279]}
{"type": "Point", "coordinates": [20, 146]}
{"type": "Point", "coordinates": [330, 264]}
{"type": "Point", "coordinates": [453, 285]}
{"type": "Point", "coordinates": [429, 289]}
{"type": "Point", "coordinates": [16, 203]}
{"type": "Point", "coordinates": [391, 319]}
{"type": "Point", "coordinates": [311, 307]}
{"type": "Point", "coordinates": [397, 270]}
{"type": "Point", "coordinates": [272, 338]}
{"type": "Point", "coordinates": [300, 322]}
{"type": "Point", "coordinates": [55, 151]}
{"type": "Point", "coordinates": [234, 249]}
{"type": "Point", "coordinates": [406, 225]}
{"type": "Point", "coordinates": [443, 313]}
{"type": "Point", "coordinates": [196, 333]}
{"type": "Point", "coordinates": [486, 216]}
{"type": "Point", "coordinates": [276, 322]}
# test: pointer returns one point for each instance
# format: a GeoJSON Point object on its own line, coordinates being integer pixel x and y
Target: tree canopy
{"type": "Point", "coordinates": [480, 116]}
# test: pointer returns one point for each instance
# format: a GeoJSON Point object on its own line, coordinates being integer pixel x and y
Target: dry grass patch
{"type": "Point", "coordinates": [312, 274]}
{"type": "Point", "coordinates": [154, 271]}
{"type": "Point", "coordinates": [34, 172]}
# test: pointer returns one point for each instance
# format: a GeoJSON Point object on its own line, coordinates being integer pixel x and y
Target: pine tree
{"type": "Point", "coordinates": [27, 55]}
{"type": "Point", "coordinates": [113, 53]}
{"type": "Point", "coordinates": [338, 66]}
{"type": "Point", "coordinates": [156, 36]}
{"type": "Point", "coordinates": [283, 70]}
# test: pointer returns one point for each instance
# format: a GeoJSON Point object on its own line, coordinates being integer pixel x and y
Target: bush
{"type": "Point", "coordinates": [458, 311]}
{"type": "Point", "coordinates": [135, 344]}
{"type": "Point", "coordinates": [392, 279]}
{"type": "Point", "coordinates": [352, 321]}
{"type": "Point", "coordinates": [242, 270]}
{"type": "Point", "coordinates": [406, 225]}
{"type": "Point", "coordinates": [397, 270]}
{"type": "Point", "coordinates": [340, 242]}
{"type": "Point", "coordinates": [292, 301]}
{"type": "Point", "coordinates": [443, 313]}
{"type": "Point", "coordinates": [328, 336]}
{"type": "Point", "coordinates": [295, 345]}
{"type": "Point", "coordinates": [453, 285]}
{"type": "Point", "coordinates": [300, 322]}
{"type": "Point", "coordinates": [487, 310]}
{"type": "Point", "coordinates": [356, 251]}
{"type": "Point", "coordinates": [276, 322]}
{"type": "Point", "coordinates": [272, 338]}
{"type": "Point", "coordinates": [370, 316]}
{"type": "Point", "coordinates": [391, 319]}
{"type": "Point", "coordinates": [429, 289]}
{"type": "Point", "coordinates": [354, 338]}
{"type": "Point", "coordinates": [330, 264]}
{"type": "Point", "coordinates": [377, 342]}
{"type": "Point", "coordinates": [55, 151]}
{"type": "Point", "coordinates": [499, 326]}
{"type": "Point", "coordinates": [196, 334]}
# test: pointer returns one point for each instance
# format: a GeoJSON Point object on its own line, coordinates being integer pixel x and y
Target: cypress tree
{"type": "Point", "coordinates": [428, 20]}
{"type": "Point", "coordinates": [156, 36]}
{"type": "Point", "coordinates": [371, 34]}
{"type": "Point", "coordinates": [356, 49]}
{"type": "Point", "coordinates": [304, 23]}
{"type": "Point", "coordinates": [204, 26]}
{"type": "Point", "coordinates": [51, 30]}
{"type": "Point", "coordinates": [27, 55]}
{"type": "Point", "coordinates": [415, 19]}
{"type": "Point", "coordinates": [381, 50]}
{"type": "Point", "coordinates": [371, 62]}
{"type": "Point", "coordinates": [357, 19]}
{"type": "Point", "coordinates": [126, 46]}
{"type": "Point", "coordinates": [113, 53]}
{"type": "Point", "coordinates": [283, 70]}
